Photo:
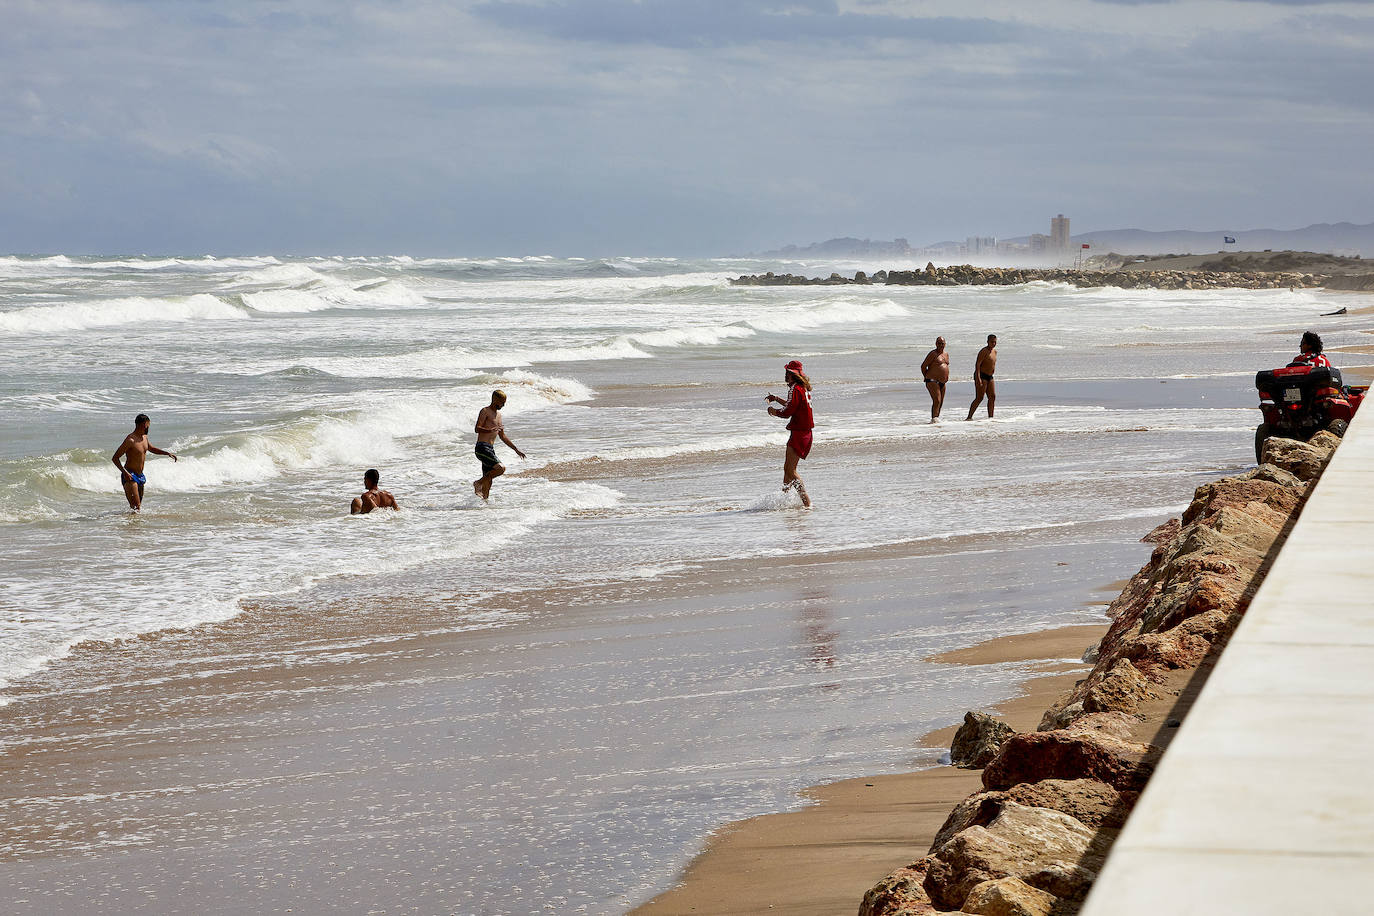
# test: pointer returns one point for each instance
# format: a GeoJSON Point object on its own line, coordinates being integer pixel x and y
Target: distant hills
{"type": "Point", "coordinates": [1333, 238]}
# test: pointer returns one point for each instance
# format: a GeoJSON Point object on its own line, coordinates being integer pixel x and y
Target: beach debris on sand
{"type": "Point", "coordinates": [1053, 801]}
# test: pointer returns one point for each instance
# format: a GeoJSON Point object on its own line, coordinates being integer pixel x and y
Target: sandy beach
{"type": "Point", "coordinates": [820, 860]}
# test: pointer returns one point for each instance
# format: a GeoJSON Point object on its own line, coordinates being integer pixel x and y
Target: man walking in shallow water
{"type": "Point", "coordinates": [489, 426]}
{"type": "Point", "coordinates": [935, 373]}
{"type": "Point", "coordinates": [984, 368]}
{"type": "Point", "coordinates": [134, 450]}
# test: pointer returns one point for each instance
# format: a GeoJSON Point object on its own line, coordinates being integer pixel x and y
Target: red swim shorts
{"type": "Point", "coordinates": [800, 442]}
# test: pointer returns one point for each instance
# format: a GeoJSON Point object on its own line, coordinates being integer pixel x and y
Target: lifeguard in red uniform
{"type": "Point", "coordinates": [797, 410]}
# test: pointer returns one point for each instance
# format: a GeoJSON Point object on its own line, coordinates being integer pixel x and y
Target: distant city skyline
{"type": "Point", "coordinates": [594, 127]}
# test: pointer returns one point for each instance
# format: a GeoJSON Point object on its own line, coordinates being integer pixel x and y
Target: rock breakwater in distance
{"type": "Point", "coordinates": [1053, 801]}
{"type": "Point", "coordinates": [968, 275]}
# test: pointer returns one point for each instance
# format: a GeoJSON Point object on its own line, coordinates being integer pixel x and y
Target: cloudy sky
{"type": "Point", "coordinates": [592, 127]}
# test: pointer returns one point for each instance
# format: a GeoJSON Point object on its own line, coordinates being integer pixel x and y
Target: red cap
{"type": "Point", "coordinates": [794, 366]}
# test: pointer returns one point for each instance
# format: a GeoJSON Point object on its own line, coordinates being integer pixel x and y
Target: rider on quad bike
{"type": "Point", "coordinates": [1304, 397]}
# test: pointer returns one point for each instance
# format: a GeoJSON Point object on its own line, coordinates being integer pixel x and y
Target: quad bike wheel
{"type": "Point", "coordinates": [1262, 432]}
{"type": "Point", "coordinates": [1338, 427]}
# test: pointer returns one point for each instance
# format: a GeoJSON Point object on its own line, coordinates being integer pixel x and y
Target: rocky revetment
{"type": "Point", "coordinates": [1032, 841]}
{"type": "Point", "coordinates": [968, 275]}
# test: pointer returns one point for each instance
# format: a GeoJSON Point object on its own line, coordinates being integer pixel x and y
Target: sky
{"type": "Point", "coordinates": [669, 127]}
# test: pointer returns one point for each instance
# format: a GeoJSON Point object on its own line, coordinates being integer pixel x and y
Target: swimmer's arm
{"type": "Point", "coordinates": [389, 501]}
{"type": "Point", "coordinates": [157, 451]}
{"type": "Point", "coordinates": [506, 439]}
{"type": "Point", "coordinates": [119, 453]}
{"type": "Point", "coordinates": [925, 366]}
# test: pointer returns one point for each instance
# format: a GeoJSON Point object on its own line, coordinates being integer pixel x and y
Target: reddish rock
{"type": "Point", "coordinates": [1325, 440]}
{"type": "Point", "coordinates": [977, 740]}
{"type": "Point", "coordinates": [1117, 724]}
{"type": "Point", "coordinates": [1302, 460]}
{"type": "Point", "coordinates": [1240, 491]}
{"type": "Point", "coordinates": [1163, 533]}
{"type": "Point", "coordinates": [1021, 841]}
{"type": "Point", "coordinates": [1122, 689]}
{"type": "Point", "coordinates": [899, 894]}
{"type": "Point", "coordinates": [1274, 474]}
{"type": "Point", "coordinates": [1184, 646]}
{"type": "Point", "coordinates": [1204, 593]}
{"type": "Point", "coordinates": [1255, 525]}
{"type": "Point", "coordinates": [1063, 755]}
{"type": "Point", "coordinates": [1094, 803]}
{"type": "Point", "coordinates": [1011, 897]}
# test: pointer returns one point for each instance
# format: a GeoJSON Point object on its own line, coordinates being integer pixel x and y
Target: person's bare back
{"type": "Point", "coordinates": [373, 497]}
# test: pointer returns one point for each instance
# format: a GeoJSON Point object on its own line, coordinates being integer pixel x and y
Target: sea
{"type": "Point", "coordinates": [651, 488]}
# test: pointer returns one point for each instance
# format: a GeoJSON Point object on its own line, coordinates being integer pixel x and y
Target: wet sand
{"type": "Point", "coordinates": [359, 755]}
{"type": "Point", "coordinates": [820, 860]}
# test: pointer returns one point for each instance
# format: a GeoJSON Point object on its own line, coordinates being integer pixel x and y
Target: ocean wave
{"type": "Point", "coordinates": [298, 288]}
{"type": "Point", "coordinates": [839, 311]}
{"type": "Point", "coordinates": [378, 429]}
{"type": "Point", "coordinates": [48, 319]}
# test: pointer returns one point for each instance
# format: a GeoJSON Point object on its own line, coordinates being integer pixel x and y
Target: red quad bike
{"type": "Point", "coordinates": [1299, 401]}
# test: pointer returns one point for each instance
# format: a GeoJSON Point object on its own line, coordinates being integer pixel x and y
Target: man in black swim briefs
{"type": "Point", "coordinates": [935, 374]}
{"type": "Point", "coordinates": [984, 368]}
{"type": "Point", "coordinates": [489, 427]}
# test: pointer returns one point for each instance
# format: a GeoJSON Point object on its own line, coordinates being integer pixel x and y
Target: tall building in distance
{"type": "Point", "coordinates": [1059, 233]}
{"type": "Point", "coordinates": [981, 244]}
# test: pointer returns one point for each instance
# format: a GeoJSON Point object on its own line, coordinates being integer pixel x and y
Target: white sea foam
{"type": "Point", "coordinates": [175, 592]}
{"type": "Point", "coordinates": [378, 428]}
{"type": "Point", "coordinates": [47, 319]}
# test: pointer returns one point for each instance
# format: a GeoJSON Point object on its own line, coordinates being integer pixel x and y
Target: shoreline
{"type": "Point", "coordinates": [1029, 829]}
{"type": "Point", "coordinates": [821, 859]}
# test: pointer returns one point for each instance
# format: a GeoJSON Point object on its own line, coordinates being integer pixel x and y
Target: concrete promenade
{"type": "Point", "coordinates": [1264, 803]}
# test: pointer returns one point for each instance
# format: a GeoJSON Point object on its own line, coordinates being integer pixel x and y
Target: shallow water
{"type": "Point", "coordinates": [636, 386]}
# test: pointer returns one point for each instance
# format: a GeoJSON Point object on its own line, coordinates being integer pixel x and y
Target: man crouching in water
{"type": "Point", "coordinates": [372, 497]}
{"type": "Point", "coordinates": [489, 426]}
{"type": "Point", "coordinates": [134, 450]}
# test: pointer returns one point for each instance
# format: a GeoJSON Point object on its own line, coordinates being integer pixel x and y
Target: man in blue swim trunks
{"type": "Point", "coordinates": [134, 450]}
{"type": "Point", "coordinates": [489, 426]}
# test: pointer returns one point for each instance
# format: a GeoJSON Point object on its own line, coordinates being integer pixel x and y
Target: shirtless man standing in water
{"type": "Point", "coordinates": [984, 368]}
{"type": "Point", "coordinates": [489, 426]}
{"type": "Point", "coordinates": [372, 498]}
{"type": "Point", "coordinates": [134, 450]}
{"type": "Point", "coordinates": [935, 373]}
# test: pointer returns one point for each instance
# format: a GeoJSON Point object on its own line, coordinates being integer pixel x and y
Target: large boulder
{"type": "Point", "coordinates": [1094, 803]}
{"type": "Point", "coordinates": [978, 740]}
{"type": "Point", "coordinates": [899, 894]}
{"type": "Point", "coordinates": [1122, 689]}
{"type": "Point", "coordinates": [1304, 461]}
{"type": "Point", "coordinates": [1011, 897]}
{"type": "Point", "coordinates": [1243, 490]}
{"type": "Point", "coordinates": [1183, 646]}
{"type": "Point", "coordinates": [1020, 842]}
{"type": "Point", "coordinates": [1325, 439]}
{"type": "Point", "coordinates": [1061, 754]}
